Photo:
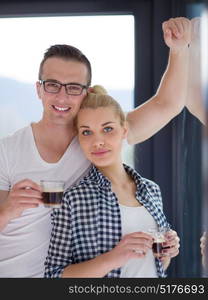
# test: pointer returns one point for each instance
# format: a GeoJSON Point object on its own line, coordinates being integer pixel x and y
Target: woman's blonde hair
{"type": "Point", "coordinates": [98, 97]}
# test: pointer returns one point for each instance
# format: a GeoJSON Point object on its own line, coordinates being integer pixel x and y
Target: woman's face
{"type": "Point", "coordinates": [100, 135]}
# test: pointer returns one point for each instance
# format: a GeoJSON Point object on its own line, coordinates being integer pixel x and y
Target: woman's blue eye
{"type": "Point", "coordinates": [108, 129]}
{"type": "Point", "coordinates": [86, 132]}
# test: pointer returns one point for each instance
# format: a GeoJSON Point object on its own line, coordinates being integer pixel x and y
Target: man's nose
{"type": "Point", "coordinates": [62, 94]}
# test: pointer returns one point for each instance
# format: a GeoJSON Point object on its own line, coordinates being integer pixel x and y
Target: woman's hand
{"type": "Point", "coordinates": [133, 245]}
{"type": "Point", "coordinates": [170, 247]}
{"type": "Point", "coordinates": [172, 242]}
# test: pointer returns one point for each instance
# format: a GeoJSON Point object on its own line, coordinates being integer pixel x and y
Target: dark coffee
{"type": "Point", "coordinates": [52, 198]}
{"type": "Point", "coordinates": [157, 247]}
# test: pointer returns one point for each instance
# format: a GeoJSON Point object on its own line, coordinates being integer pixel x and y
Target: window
{"type": "Point", "coordinates": [22, 51]}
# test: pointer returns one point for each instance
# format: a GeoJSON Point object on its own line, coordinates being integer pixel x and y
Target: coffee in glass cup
{"type": "Point", "coordinates": [52, 192]}
{"type": "Point", "coordinates": [157, 245]}
{"type": "Point", "coordinates": [159, 238]}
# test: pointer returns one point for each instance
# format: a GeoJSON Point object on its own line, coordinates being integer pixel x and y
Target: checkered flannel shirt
{"type": "Point", "coordinates": [89, 221]}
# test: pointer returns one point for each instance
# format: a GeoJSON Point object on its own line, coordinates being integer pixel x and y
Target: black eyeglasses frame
{"type": "Point", "coordinates": [43, 82]}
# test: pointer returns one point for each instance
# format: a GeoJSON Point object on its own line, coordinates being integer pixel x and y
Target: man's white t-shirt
{"type": "Point", "coordinates": [24, 241]}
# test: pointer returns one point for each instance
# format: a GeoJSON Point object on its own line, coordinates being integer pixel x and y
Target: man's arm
{"type": "Point", "coordinates": [170, 98]}
{"type": "Point", "coordinates": [24, 194]}
{"type": "Point", "coordinates": [194, 102]}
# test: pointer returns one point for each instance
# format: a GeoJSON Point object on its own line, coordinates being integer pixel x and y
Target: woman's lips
{"type": "Point", "coordinates": [101, 152]}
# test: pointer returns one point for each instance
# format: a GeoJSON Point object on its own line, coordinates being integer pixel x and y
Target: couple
{"type": "Point", "coordinates": [50, 149]}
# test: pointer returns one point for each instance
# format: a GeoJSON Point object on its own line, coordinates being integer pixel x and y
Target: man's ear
{"type": "Point", "coordinates": [38, 85]}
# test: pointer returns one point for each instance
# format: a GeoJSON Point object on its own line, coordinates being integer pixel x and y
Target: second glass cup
{"type": "Point", "coordinates": [159, 238]}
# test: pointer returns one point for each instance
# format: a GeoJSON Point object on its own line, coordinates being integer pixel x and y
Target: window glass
{"type": "Point", "coordinates": [107, 41]}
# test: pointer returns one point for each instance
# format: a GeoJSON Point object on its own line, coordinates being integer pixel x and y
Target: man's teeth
{"type": "Point", "coordinates": [61, 108]}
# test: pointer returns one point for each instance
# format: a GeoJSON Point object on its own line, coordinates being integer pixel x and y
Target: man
{"type": "Point", "coordinates": [49, 149]}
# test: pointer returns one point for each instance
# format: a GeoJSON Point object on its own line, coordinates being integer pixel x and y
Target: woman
{"type": "Point", "coordinates": [101, 230]}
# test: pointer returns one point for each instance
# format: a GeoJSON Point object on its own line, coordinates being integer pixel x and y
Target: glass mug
{"type": "Point", "coordinates": [159, 238]}
{"type": "Point", "coordinates": [52, 192]}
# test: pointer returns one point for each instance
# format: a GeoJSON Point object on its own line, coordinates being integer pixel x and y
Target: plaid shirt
{"type": "Point", "coordinates": [89, 221]}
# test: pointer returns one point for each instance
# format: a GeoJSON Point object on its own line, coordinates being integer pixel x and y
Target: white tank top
{"type": "Point", "coordinates": [138, 219]}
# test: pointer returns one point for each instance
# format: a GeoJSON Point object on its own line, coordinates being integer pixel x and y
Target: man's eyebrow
{"type": "Point", "coordinates": [57, 81]}
{"type": "Point", "coordinates": [53, 80]}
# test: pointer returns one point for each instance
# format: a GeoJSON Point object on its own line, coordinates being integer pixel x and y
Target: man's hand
{"type": "Point", "coordinates": [177, 33]}
{"type": "Point", "coordinates": [24, 194]}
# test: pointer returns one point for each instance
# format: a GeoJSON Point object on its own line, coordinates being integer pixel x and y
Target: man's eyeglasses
{"type": "Point", "coordinates": [54, 87]}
